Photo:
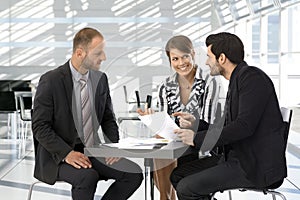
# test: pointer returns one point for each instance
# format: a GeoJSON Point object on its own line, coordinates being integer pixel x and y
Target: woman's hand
{"type": "Point", "coordinates": [186, 120]}
{"type": "Point", "coordinates": [158, 136]}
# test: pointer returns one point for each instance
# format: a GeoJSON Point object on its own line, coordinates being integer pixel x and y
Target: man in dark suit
{"type": "Point", "coordinates": [252, 135]}
{"type": "Point", "coordinates": [60, 125]}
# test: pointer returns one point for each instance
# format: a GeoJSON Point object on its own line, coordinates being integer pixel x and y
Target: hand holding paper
{"type": "Point", "coordinates": [161, 124]}
{"type": "Point", "coordinates": [186, 120]}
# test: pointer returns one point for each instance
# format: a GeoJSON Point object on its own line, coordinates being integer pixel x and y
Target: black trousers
{"type": "Point", "coordinates": [200, 178]}
{"type": "Point", "coordinates": [128, 177]}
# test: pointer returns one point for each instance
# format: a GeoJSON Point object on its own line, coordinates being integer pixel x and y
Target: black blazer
{"type": "Point", "coordinates": [53, 125]}
{"type": "Point", "coordinates": [253, 131]}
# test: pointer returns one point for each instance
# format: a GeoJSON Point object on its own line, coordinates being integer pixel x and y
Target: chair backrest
{"type": "Point", "coordinates": [125, 93]}
{"type": "Point", "coordinates": [127, 99]}
{"type": "Point", "coordinates": [15, 85]}
{"type": "Point", "coordinates": [25, 104]}
{"type": "Point", "coordinates": [7, 101]}
{"type": "Point", "coordinates": [287, 118]}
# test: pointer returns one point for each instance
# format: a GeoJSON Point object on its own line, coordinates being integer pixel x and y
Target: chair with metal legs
{"type": "Point", "coordinates": [24, 104]}
{"type": "Point", "coordinates": [31, 189]}
{"type": "Point", "coordinates": [287, 117]}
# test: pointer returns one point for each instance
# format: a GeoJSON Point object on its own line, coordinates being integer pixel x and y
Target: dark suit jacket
{"type": "Point", "coordinates": [253, 131]}
{"type": "Point", "coordinates": [53, 126]}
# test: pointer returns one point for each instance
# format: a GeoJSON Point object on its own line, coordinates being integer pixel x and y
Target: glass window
{"type": "Point", "coordinates": [256, 41]}
{"type": "Point", "coordinates": [273, 38]}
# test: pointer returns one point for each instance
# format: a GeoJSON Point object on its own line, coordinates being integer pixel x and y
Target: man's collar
{"type": "Point", "coordinates": [75, 74]}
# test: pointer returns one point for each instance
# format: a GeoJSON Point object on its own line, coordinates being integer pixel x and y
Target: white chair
{"type": "Point", "coordinates": [287, 117]}
{"type": "Point", "coordinates": [24, 104]}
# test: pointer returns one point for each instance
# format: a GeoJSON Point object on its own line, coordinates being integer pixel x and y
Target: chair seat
{"type": "Point", "coordinates": [270, 187]}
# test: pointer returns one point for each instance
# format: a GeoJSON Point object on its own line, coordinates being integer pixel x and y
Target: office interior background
{"type": "Point", "coordinates": [36, 36]}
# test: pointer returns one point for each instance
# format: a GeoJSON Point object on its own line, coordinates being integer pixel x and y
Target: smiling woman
{"type": "Point", "coordinates": [183, 91]}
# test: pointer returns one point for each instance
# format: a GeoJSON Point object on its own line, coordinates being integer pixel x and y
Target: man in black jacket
{"type": "Point", "coordinates": [58, 124]}
{"type": "Point", "coordinates": [252, 135]}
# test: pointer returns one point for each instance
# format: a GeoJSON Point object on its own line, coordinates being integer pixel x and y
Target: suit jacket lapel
{"type": "Point", "coordinates": [68, 86]}
{"type": "Point", "coordinates": [68, 83]}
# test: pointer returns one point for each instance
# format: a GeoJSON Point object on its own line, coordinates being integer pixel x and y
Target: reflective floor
{"type": "Point", "coordinates": [17, 162]}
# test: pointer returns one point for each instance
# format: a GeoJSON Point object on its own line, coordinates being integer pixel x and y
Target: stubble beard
{"type": "Point", "coordinates": [215, 70]}
{"type": "Point", "coordinates": [88, 64]}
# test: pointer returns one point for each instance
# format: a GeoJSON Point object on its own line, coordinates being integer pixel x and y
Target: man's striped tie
{"type": "Point", "coordinates": [87, 124]}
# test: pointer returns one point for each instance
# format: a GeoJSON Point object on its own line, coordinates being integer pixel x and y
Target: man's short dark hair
{"type": "Point", "coordinates": [227, 43]}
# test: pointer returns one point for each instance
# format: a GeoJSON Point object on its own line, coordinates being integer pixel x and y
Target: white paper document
{"type": "Point", "coordinates": [134, 143]}
{"type": "Point", "coordinates": [161, 124]}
